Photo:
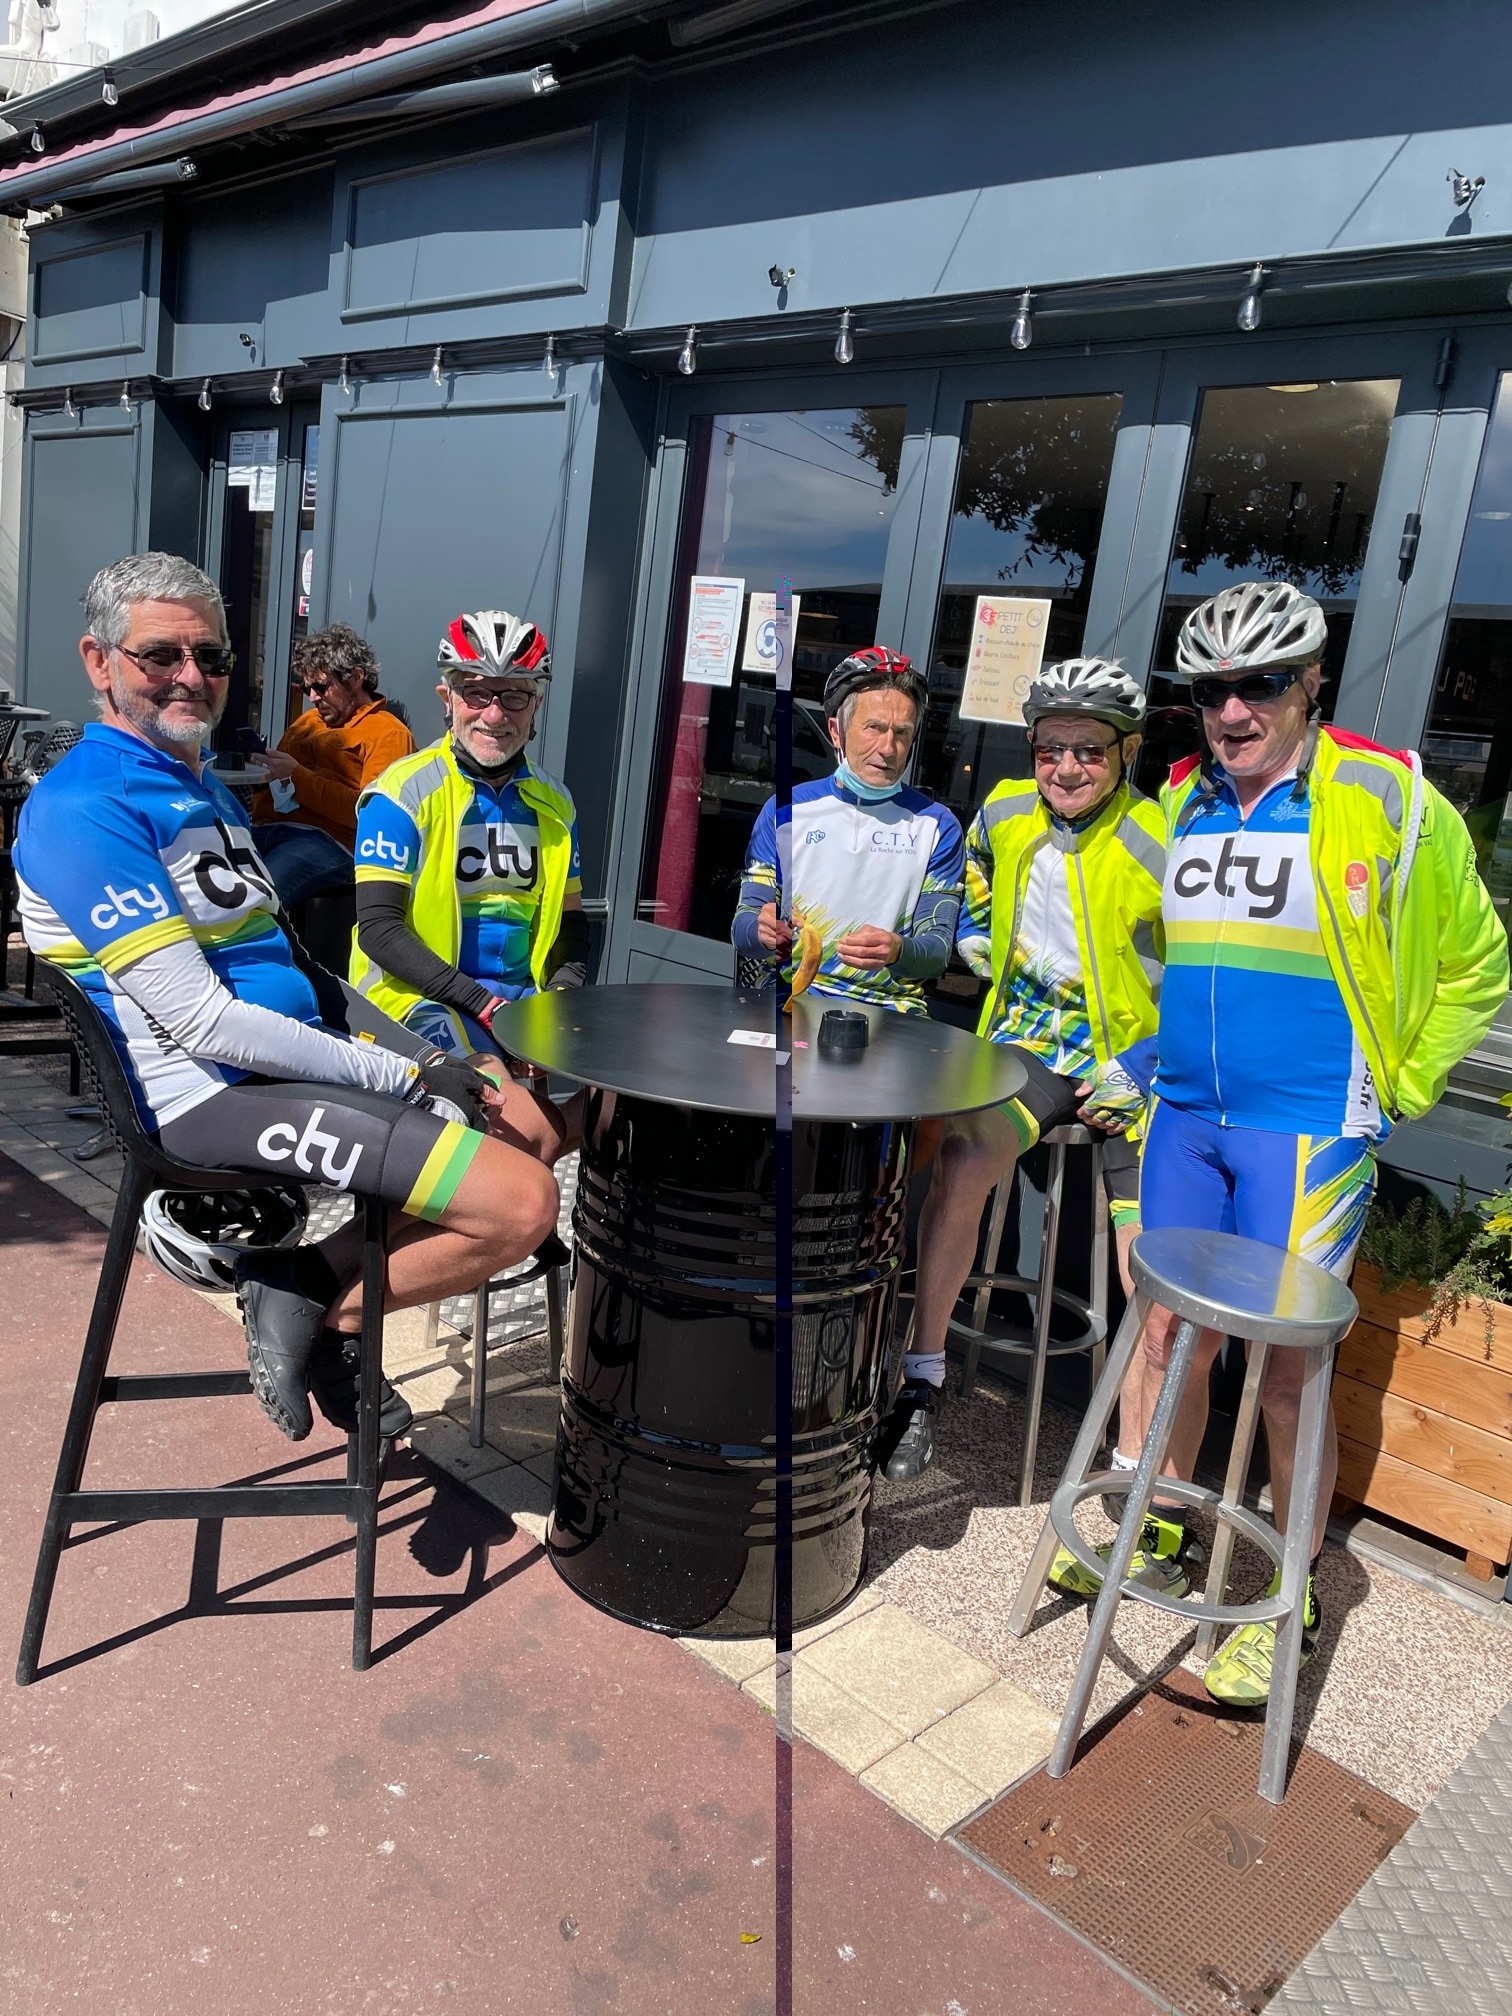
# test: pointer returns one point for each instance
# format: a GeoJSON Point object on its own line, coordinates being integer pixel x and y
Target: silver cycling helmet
{"type": "Point", "coordinates": [198, 1236]}
{"type": "Point", "coordinates": [1252, 627]}
{"type": "Point", "coordinates": [495, 645]}
{"type": "Point", "coordinates": [1097, 687]}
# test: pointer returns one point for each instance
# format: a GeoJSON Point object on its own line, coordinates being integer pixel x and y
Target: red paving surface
{"type": "Point", "coordinates": [523, 1806]}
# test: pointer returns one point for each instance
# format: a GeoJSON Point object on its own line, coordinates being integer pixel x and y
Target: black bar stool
{"type": "Point", "coordinates": [147, 1168]}
{"type": "Point", "coordinates": [548, 1260]}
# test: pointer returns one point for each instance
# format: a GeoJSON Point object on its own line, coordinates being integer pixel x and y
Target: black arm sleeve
{"type": "Point", "coordinates": [389, 942]}
{"type": "Point", "coordinates": [567, 965]}
{"type": "Point", "coordinates": [342, 1007]}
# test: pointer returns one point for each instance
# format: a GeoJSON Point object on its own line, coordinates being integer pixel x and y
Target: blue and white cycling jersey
{"type": "Point", "coordinates": [896, 863]}
{"type": "Point", "coordinates": [122, 852]}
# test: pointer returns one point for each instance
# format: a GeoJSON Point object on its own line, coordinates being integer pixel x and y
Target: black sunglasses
{"type": "Point", "coordinates": [159, 660]}
{"type": "Point", "coordinates": [1253, 686]}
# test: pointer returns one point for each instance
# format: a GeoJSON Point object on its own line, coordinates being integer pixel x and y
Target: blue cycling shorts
{"type": "Point", "coordinates": [1305, 1192]}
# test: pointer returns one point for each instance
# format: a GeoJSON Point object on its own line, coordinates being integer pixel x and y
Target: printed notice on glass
{"type": "Point", "coordinates": [1007, 645]}
{"type": "Point", "coordinates": [763, 641]}
{"type": "Point", "coordinates": [713, 630]}
{"type": "Point", "coordinates": [252, 465]}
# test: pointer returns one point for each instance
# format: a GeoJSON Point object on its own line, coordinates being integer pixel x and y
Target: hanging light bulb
{"type": "Point", "coordinates": [38, 140]}
{"type": "Point", "coordinates": [346, 376]}
{"type": "Point", "coordinates": [687, 357]}
{"type": "Point", "coordinates": [203, 402]}
{"type": "Point", "coordinates": [1021, 335]}
{"type": "Point", "coordinates": [275, 390]}
{"type": "Point", "coordinates": [436, 366]}
{"type": "Point", "coordinates": [125, 395]}
{"type": "Point", "coordinates": [1249, 308]}
{"type": "Point", "coordinates": [548, 362]}
{"type": "Point", "coordinates": [69, 407]}
{"type": "Point", "coordinates": [109, 95]}
{"type": "Point", "coordinates": [845, 348]}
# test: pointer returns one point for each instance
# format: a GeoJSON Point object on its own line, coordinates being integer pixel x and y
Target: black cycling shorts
{"type": "Point", "coordinates": [340, 1136]}
{"type": "Point", "coordinates": [1047, 1101]}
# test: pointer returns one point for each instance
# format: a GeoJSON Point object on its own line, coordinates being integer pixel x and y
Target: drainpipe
{"type": "Point", "coordinates": [552, 19]}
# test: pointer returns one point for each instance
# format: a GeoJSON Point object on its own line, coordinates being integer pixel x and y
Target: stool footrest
{"type": "Point", "coordinates": [1264, 1609]}
{"type": "Point", "coordinates": [1094, 1330]}
{"type": "Point", "coordinates": [231, 1501]}
{"type": "Point", "coordinates": [175, 1385]}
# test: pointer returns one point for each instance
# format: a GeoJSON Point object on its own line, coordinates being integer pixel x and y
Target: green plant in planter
{"type": "Point", "coordinates": [1459, 1256]}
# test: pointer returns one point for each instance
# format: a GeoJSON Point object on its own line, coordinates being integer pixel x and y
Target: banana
{"type": "Point", "coordinates": [810, 952]}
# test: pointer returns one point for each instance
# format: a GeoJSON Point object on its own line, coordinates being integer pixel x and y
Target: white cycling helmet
{"type": "Point", "coordinates": [495, 645]}
{"type": "Point", "coordinates": [1252, 627]}
{"type": "Point", "coordinates": [198, 1236]}
{"type": "Point", "coordinates": [1097, 687]}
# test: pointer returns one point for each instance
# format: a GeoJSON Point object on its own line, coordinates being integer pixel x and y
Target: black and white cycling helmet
{"type": "Point", "coordinates": [1252, 627]}
{"type": "Point", "coordinates": [198, 1236]}
{"type": "Point", "coordinates": [494, 645]}
{"type": "Point", "coordinates": [1097, 687]}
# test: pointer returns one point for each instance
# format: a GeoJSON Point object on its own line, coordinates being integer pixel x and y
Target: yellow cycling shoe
{"type": "Point", "coordinates": [1156, 1563]}
{"type": "Point", "coordinates": [1239, 1672]}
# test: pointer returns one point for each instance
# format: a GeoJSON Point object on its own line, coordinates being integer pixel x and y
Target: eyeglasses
{"type": "Point", "coordinates": [1253, 686]}
{"type": "Point", "coordinates": [161, 661]}
{"type": "Point", "coordinates": [317, 688]}
{"type": "Point", "coordinates": [1090, 755]}
{"type": "Point", "coordinates": [478, 698]}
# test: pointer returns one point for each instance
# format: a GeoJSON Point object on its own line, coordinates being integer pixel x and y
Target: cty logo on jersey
{"type": "Point", "coordinates": [125, 905]}
{"type": "Point", "coordinates": [502, 854]}
{"type": "Point", "coordinates": [218, 873]}
{"type": "Point", "coordinates": [1247, 876]}
{"type": "Point", "coordinates": [281, 1141]}
{"type": "Point", "coordinates": [383, 852]}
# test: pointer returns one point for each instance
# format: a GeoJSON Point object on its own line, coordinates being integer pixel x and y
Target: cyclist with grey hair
{"type": "Point", "coordinates": [139, 876]}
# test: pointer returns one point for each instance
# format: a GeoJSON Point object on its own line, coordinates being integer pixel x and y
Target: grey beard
{"type": "Point", "coordinates": [144, 715]}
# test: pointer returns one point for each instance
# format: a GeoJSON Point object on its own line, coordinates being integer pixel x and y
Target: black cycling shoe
{"type": "Point", "coordinates": [336, 1387]}
{"type": "Point", "coordinates": [907, 1443]}
{"type": "Point", "coordinates": [283, 1326]}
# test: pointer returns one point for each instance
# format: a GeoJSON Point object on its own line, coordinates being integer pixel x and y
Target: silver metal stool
{"type": "Point", "coordinates": [1213, 1281]}
{"type": "Point", "coordinates": [1046, 1297]}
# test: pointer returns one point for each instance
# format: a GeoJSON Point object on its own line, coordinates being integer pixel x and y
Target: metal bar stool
{"type": "Point", "coordinates": [548, 1260]}
{"type": "Point", "coordinates": [1272, 1299]}
{"type": "Point", "coordinates": [147, 1167]}
{"type": "Point", "coordinates": [1046, 1297]}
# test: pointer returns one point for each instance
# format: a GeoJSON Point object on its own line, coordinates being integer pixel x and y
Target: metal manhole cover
{"type": "Point", "coordinates": [1157, 1848]}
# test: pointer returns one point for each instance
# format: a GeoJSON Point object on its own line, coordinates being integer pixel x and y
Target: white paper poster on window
{"type": "Point", "coordinates": [762, 647]}
{"type": "Point", "coordinates": [1007, 646]}
{"type": "Point", "coordinates": [713, 630]}
{"type": "Point", "coordinates": [252, 465]}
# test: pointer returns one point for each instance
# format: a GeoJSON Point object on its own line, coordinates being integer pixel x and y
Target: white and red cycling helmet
{"type": "Point", "coordinates": [492, 644]}
{"type": "Point", "coordinates": [872, 667]}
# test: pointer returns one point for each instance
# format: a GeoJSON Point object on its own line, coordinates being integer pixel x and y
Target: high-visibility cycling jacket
{"type": "Point", "coordinates": [1113, 869]}
{"type": "Point", "coordinates": [435, 795]}
{"type": "Point", "coordinates": [1410, 935]}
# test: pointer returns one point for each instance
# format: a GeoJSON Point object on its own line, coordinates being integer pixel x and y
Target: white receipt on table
{"type": "Point", "coordinates": [757, 1039]}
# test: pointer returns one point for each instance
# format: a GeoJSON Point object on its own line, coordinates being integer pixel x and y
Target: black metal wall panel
{"type": "Point", "coordinates": [91, 303]}
{"type": "Point", "coordinates": [80, 505]}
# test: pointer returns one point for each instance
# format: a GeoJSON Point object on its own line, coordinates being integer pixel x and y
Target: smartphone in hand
{"type": "Point", "coordinates": [252, 744]}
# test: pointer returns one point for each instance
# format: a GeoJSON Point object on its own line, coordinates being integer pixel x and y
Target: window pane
{"type": "Point", "coordinates": [805, 495]}
{"type": "Point", "coordinates": [1028, 516]}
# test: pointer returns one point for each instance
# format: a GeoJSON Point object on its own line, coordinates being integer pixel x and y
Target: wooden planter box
{"type": "Point", "coordinates": [1425, 1430]}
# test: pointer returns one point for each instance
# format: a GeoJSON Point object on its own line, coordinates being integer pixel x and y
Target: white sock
{"type": "Point", "coordinates": [925, 1367]}
{"type": "Point", "coordinates": [1122, 1462]}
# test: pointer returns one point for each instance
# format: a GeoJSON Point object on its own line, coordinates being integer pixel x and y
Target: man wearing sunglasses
{"type": "Point", "coordinates": [139, 876]}
{"type": "Point", "coordinates": [469, 890]}
{"type": "Point", "coordinates": [1331, 955]}
{"type": "Point", "coordinates": [1062, 914]}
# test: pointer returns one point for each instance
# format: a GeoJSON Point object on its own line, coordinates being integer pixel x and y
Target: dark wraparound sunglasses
{"type": "Point", "coordinates": [213, 661]}
{"type": "Point", "coordinates": [1253, 686]}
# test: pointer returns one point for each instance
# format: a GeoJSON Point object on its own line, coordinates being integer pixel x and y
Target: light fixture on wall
{"type": "Point", "coordinates": [203, 401]}
{"type": "Point", "coordinates": [781, 275]}
{"type": "Point", "coordinates": [1021, 335]}
{"type": "Point", "coordinates": [345, 381]}
{"type": "Point", "coordinates": [845, 347]}
{"type": "Point", "coordinates": [1248, 317]}
{"type": "Point", "coordinates": [1464, 188]}
{"type": "Point", "coordinates": [687, 357]}
{"type": "Point", "coordinates": [69, 407]}
{"type": "Point", "coordinates": [109, 95]}
{"type": "Point", "coordinates": [275, 390]}
{"type": "Point", "coordinates": [436, 366]}
{"type": "Point", "coordinates": [125, 395]}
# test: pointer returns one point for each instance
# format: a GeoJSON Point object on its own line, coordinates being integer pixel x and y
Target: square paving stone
{"type": "Point", "coordinates": [513, 1490]}
{"type": "Point", "coordinates": [922, 1789]}
{"type": "Point", "coordinates": [737, 1658]}
{"type": "Point", "coordinates": [522, 1420]}
{"type": "Point", "coordinates": [994, 1738]}
{"type": "Point", "coordinates": [860, 1603]}
{"type": "Point", "coordinates": [829, 1718]}
{"type": "Point", "coordinates": [439, 1439]}
{"type": "Point", "coordinates": [901, 1670]}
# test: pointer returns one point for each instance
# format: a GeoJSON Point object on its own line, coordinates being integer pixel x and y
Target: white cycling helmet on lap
{"type": "Point", "coordinates": [1255, 626]}
{"type": "Point", "coordinates": [198, 1236]}
{"type": "Point", "coordinates": [492, 644]}
{"type": "Point", "coordinates": [1097, 687]}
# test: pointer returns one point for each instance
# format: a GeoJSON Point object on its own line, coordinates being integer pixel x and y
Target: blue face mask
{"type": "Point", "coordinates": [869, 794]}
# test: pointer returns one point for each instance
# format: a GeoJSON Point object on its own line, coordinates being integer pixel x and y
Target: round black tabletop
{"type": "Point", "coordinates": [682, 1045]}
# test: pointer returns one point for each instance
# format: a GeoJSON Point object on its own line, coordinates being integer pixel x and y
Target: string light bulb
{"type": "Point", "coordinates": [1248, 317]}
{"type": "Point", "coordinates": [69, 407]}
{"type": "Point", "coordinates": [125, 395]}
{"type": "Point", "coordinates": [346, 376]}
{"type": "Point", "coordinates": [1021, 335]}
{"type": "Point", "coordinates": [548, 362]}
{"type": "Point", "coordinates": [687, 357]}
{"type": "Point", "coordinates": [845, 348]}
{"type": "Point", "coordinates": [203, 402]}
{"type": "Point", "coordinates": [436, 366]}
{"type": "Point", "coordinates": [275, 390]}
{"type": "Point", "coordinates": [109, 95]}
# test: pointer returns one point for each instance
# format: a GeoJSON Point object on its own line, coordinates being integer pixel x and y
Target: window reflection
{"type": "Point", "coordinates": [1028, 516]}
{"type": "Point", "coordinates": [808, 496]}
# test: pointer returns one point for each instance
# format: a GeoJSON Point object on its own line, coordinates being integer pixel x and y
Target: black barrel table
{"type": "Point", "coordinates": [665, 1506]}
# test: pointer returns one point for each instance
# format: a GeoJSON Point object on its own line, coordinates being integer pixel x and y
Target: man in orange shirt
{"type": "Point", "coordinates": [306, 823]}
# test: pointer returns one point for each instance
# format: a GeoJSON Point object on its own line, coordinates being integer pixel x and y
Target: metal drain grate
{"type": "Point", "coordinates": [1157, 1849]}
